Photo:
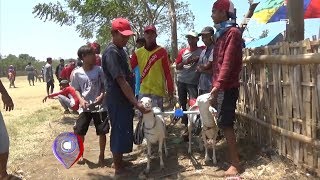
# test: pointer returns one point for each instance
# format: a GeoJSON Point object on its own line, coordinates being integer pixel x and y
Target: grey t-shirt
{"type": "Point", "coordinates": [205, 80]}
{"type": "Point", "coordinates": [48, 73]}
{"type": "Point", "coordinates": [90, 84]}
{"type": "Point", "coordinates": [188, 74]}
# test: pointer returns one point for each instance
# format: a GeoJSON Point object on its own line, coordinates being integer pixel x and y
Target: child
{"type": "Point", "coordinates": [67, 97]}
{"type": "Point", "coordinates": [88, 82]}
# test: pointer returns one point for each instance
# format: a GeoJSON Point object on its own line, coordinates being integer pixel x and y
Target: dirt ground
{"type": "Point", "coordinates": [33, 127]}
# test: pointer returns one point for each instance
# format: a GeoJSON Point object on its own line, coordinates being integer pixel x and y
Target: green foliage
{"type": "Point", "coordinates": [93, 17]}
{"type": "Point", "coordinates": [20, 63]}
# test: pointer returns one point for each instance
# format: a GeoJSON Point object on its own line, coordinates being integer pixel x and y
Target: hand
{"type": "Point", "coordinates": [213, 95]}
{"type": "Point", "coordinates": [98, 100]}
{"type": "Point", "coordinates": [7, 102]}
{"type": "Point", "coordinates": [84, 104]}
{"type": "Point", "coordinates": [141, 108]}
{"type": "Point", "coordinates": [44, 99]}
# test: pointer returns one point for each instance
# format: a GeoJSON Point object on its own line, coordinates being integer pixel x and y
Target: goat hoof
{"type": "Point", "coordinates": [146, 171]}
{"type": "Point", "coordinates": [189, 151]}
{"type": "Point", "coordinates": [161, 167]}
{"type": "Point", "coordinates": [207, 161]}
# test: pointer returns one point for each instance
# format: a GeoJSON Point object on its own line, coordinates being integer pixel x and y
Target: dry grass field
{"type": "Point", "coordinates": [33, 126]}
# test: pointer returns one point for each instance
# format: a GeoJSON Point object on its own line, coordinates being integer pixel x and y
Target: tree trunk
{"type": "Point", "coordinates": [295, 27]}
{"type": "Point", "coordinates": [248, 16]}
{"type": "Point", "coordinates": [174, 36]}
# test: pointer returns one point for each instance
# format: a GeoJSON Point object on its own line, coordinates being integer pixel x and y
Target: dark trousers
{"type": "Point", "coordinates": [50, 85]}
{"type": "Point", "coordinates": [185, 90]}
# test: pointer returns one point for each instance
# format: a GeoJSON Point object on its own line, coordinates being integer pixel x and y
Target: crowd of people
{"type": "Point", "coordinates": [107, 89]}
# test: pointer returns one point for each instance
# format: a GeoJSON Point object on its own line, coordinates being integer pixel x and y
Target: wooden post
{"type": "Point", "coordinates": [295, 27]}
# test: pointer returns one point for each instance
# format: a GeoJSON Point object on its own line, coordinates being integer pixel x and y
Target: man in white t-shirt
{"type": "Point", "coordinates": [205, 61]}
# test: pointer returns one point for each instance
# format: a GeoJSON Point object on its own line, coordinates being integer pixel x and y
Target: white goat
{"type": "Point", "coordinates": [209, 126]}
{"type": "Point", "coordinates": [154, 130]}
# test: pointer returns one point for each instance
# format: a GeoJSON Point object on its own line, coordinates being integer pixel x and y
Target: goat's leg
{"type": "Point", "coordinates": [148, 156]}
{"type": "Point", "coordinates": [190, 135]}
{"type": "Point", "coordinates": [214, 159]}
{"type": "Point", "coordinates": [200, 142]}
{"type": "Point", "coordinates": [206, 157]}
{"type": "Point", "coordinates": [160, 153]}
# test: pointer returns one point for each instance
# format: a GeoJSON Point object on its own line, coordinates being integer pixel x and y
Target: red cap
{"type": "Point", "coordinates": [225, 5]}
{"type": "Point", "coordinates": [122, 25]}
{"type": "Point", "coordinates": [150, 28]}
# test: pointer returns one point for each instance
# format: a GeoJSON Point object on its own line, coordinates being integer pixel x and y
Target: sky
{"type": "Point", "coordinates": [21, 32]}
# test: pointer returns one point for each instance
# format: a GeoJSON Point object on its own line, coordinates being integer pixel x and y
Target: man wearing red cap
{"type": "Point", "coordinates": [120, 98]}
{"type": "Point", "coordinates": [153, 64]}
{"type": "Point", "coordinates": [226, 70]}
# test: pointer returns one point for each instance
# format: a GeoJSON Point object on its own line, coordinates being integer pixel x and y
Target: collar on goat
{"type": "Point", "coordinates": [154, 123]}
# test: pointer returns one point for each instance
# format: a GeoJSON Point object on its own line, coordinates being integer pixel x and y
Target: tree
{"type": "Point", "coordinates": [173, 23]}
{"type": "Point", "coordinates": [93, 17]}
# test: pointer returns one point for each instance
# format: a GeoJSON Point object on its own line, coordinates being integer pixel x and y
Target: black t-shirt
{"type": "Point", "coordinates": [115, 64]}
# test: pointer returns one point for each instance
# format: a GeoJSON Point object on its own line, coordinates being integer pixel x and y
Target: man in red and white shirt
{"type": "Point", "coordinates": [67, 97]}
{"type": "Point", "coordinates": [187, 77]}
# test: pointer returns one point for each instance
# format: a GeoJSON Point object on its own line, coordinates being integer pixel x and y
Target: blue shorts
{"type": "Point", "coordinates": [121, 119]}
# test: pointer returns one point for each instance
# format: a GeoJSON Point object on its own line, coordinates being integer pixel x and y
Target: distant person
{"type": "Point", "coordinates": [30, 73]}
{"type": "Point", "coordinates": [67, 97]}
{"type": "Point", "coordinates": [59, 68]}
{"type": "Point", "coordinates": [48, 75]}
{"type": "Point", "coordinates": [88, 82]}
{"type": "Point", "coordinates": [66, 72]}
{"type": "Point", "coordinates": [11, 76]}
{"type": "Point", "coordinates": [42, 73]}
{"type": "Point", "coordinates": [4, 137]}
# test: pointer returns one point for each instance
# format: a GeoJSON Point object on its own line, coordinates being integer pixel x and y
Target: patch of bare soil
{"type": "Point", "coordinates": [179, 164]}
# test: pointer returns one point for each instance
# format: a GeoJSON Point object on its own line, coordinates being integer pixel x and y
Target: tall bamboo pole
{"type": "Point", "coordinates": [295, 27]}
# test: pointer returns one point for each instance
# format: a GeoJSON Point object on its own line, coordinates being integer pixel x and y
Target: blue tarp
{"type": "Point", "coordinates": [271, 39]}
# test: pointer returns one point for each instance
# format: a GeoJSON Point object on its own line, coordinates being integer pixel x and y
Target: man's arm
{"type": "Point", "coordinates": [179, 60]}
{"type": "Point", "coordinates": [134, 61]}
{"type": "Point", "coordinates": [167, 73]}
{"type": "Point", "coordinates": [7, 101]}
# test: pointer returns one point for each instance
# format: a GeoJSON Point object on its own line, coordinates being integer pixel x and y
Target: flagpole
{"type": "Point", "coordinates": [295, 26]}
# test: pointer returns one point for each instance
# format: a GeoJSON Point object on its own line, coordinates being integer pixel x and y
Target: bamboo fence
{"type": "Point", "coordinates": [279, 100]}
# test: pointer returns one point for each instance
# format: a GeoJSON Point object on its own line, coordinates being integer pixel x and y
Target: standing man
{"type": "Point", "coordinates": [153, 63]}
{"type": "Point", "coordinates": [4, 138]}
{"type": "Point", "coordinates": [120, 97]}
{"type": "Point", "coordinates": [59, 68]}
{"type": "Point", "coordinates": [48, 75]}
{"type": "Point", "coordinates": [205, 61]}
{"type": "Point", "coordinates": [187, 77]}
{"type": "Point", "coordinates": [30, 72]}
{"type": "Point", "coordinates": [226, 70]}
